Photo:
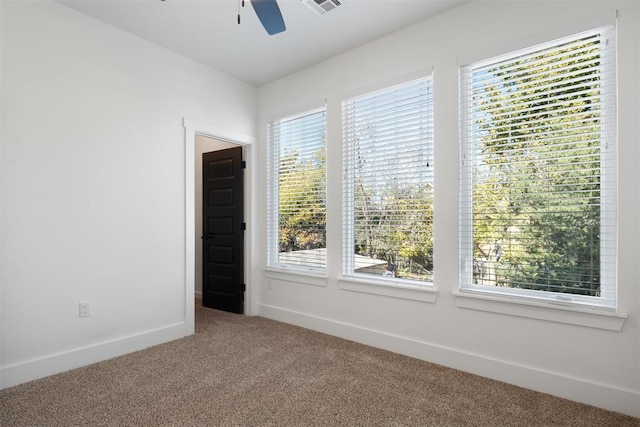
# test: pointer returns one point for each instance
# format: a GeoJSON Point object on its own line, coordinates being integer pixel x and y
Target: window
{"type": "Point", "coordinates": [388, 183]}
{"type": "Point", "coordinates": [538, 172]}
{"type": "Point", "coordinates": [297, 191]}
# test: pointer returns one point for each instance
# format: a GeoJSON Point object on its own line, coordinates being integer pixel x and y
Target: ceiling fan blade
{"type": "Point", "coordinates": [270, 16]}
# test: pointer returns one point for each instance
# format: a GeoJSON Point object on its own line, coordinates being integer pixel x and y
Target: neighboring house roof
{"type": "Point", "coordinates": [319, 257]}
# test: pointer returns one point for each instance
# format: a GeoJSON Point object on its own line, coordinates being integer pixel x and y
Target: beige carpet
{"type": "Point", "coordinates": [251, 371]}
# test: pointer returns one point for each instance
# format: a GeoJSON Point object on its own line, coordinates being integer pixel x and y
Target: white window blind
{"type": "Point", "coordinates": [538, 172]}
{"type": "Point", "coordinates": [297, 191]}
{"type": "Point", "coordinates": [388, 183]}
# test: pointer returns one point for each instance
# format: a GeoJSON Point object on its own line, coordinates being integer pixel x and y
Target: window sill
{"type": "Point", "coordinates": [592, 318]}
{"type": "Point", "coordinates": [297, 276]}
{"type": "Point", "coordinates": [389, 288]}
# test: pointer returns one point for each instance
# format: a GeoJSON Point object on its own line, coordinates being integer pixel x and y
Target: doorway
{"type": "Point", "coordinates": [207, 134]}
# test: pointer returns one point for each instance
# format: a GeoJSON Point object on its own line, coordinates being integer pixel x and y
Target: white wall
{"type": "Point", "coordinates": [93, 186]}
{"type": "Point", "coordinates": [534, 347]}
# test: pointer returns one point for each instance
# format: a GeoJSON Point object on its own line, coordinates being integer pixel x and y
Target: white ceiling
{"type": "Point", "coordinates": [207, 30]}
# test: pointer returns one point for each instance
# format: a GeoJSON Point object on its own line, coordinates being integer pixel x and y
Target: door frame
{"type": "Point", "coordinates": [191, 129]}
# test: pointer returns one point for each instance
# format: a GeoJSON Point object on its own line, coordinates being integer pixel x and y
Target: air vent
{"type": "Point", "coordinates": [322, 6]}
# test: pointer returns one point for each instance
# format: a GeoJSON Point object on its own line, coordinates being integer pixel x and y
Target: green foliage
{"type": "Point", "coordinates": [536, 206]}
{"type": "Point", "coordinates": [395, 224]}
{"type": "Point", "coordinates": [302, 201]}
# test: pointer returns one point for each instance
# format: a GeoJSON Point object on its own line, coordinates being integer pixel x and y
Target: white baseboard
{"type": "Point", "coordinates": [578, 390]}
{"type": "Point", "coordinates": [198, 295]}
{"type": "Point", "coordinates": [34, 369]}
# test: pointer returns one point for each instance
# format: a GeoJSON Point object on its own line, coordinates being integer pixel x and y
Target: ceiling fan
{"type": "Point", "coordinates": [269, 14]}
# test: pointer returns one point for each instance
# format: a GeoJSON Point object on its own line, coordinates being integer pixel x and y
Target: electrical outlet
{"type": "Point", "coordinates": [84, 309]}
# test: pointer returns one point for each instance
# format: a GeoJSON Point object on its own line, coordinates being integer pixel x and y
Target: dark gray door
{"type": "Point", "coordinates": [223, 230]}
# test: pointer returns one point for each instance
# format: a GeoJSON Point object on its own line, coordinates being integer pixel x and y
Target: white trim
{"type": "Point", "coordinates": [596, 394]}
{"type": "Point", "coordinates": [390, 288]}
{"type": "Point", "coordinates": [30, 370]}
{"type": "Point", "coordinates": [189, 228]}
{"type": "Point", "coordinates": [191, 129]}
{"type": "Point", "coordinates": [547, 310]}
{"type": "Point", "coordinates": [217, 133]}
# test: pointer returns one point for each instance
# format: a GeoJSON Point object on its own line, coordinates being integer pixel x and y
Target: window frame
{"type": "Point", "coordinates": [608, 152]}
{"type": "Point", "coordinates": [412, 289]}
{"type": "Point", "coordinates": [273, 266]}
